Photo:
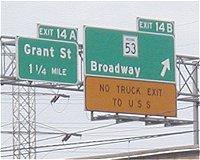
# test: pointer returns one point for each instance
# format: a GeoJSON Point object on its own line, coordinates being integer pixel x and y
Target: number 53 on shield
{"type": "Point", "coordinates": [130, 46]}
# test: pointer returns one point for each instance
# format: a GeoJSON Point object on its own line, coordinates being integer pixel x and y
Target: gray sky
{"type": "Point", "coordinates": [20, 18]}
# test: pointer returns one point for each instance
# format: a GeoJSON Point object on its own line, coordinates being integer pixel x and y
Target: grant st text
{"type": "Point", "coordinates": [64, 54]}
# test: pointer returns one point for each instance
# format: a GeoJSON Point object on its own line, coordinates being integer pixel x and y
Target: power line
{"type": "Point", "coordinates": [176, 109]}
{"type": "Point", "coordinates": [5, 140]}
{"type": "Point", "coordinates": [183, 24]}
{"type": "Point", "coordinates": [100, 127]}
{"type": "Point", "coordinates": [85, 130]}
{"type": "Point", "coordinates": [44, 139]}
{"type": "Point", "coordinates": [129, 130]}
{"type": "Point", "coordinates": [37, 132]}
{"type": "Point", "coordinates": [110, 140]}
{"type": "Point", "coordinates": [49, 127]}
{"type": "Point", "coordinates": [81, 131]}
{"type": "Point", "coordinates": [58, 133]}
{"type": "Point", "coordinates": [102, 142]}
{"type": "Point", "coordinates": [91, 129]}
{"type": "Point", "coordinates": [64, 108]}
{"type": "Point", "coordinates": [6, 124]}
{"type": "Point", "coordinates": [188, 44]}
{"type": "Point", "coordinates": [95, 128]}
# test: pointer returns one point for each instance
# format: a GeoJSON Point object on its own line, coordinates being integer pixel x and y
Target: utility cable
{"type": "Point", "coordinates": [81, 131]}
{"type": "Point", "coordinates": [95, 128]}
{"type": "Point", "coordinates": [101, 142]}
{"type": "Point", "coordinates": [49, 127]}
{"type": "Point", "coordinates": [44, 139]}
{"type": "Point", "coordinates": [183, 24]}
{"type": "Point", "coordinates": [110, 140]}
{"type": "Point", "coordinates": [4, 125]}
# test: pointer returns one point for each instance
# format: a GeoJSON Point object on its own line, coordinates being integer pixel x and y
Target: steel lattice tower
{"type": "Point", "coordinates": [24, 118]}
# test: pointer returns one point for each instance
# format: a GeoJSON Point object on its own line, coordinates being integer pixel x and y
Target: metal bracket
{"type": "Point", "coordinates": [146, 119]}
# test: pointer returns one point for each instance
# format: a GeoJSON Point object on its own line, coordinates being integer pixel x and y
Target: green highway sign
{"type": "Point", "coordinates": [129, 55]}
{"type": "Point", "coordinates": [48, 60]}
{"type": "Point", "coordinates": [57, 33]}
{"type": "Point", "coordinates": [155, 26]}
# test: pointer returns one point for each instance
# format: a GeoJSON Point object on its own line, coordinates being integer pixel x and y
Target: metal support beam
{"type": "Point", "coordinates": [196, 105]}
{"type": "Point", "coordinates": [147, 119]}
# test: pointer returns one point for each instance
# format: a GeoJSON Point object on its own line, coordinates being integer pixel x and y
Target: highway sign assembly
{"type": "Point", "coordinates": [129, 72]}
{"type": "Point", "coordinates": [48, 60]}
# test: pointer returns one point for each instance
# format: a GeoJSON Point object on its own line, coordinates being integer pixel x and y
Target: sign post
{"type": "Point", "coordinates": [47, 60]}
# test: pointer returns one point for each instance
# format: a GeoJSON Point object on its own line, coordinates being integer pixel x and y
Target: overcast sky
{"type": "Point", "coordinates": [20, 18]}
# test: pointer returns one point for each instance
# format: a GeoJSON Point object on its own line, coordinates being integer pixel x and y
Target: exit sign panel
{"type": "Point", "coordinates": [155, 26]}
{"type": "Point", "coordinates": [129, 55]}
{"type": "Point", "coordinates": [47, 60]}
{"type": "Point", "coordinates": [57, 33]}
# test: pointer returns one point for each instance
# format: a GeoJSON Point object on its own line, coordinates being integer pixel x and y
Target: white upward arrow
{"type": "Point", "coordinates": [166, 66]}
